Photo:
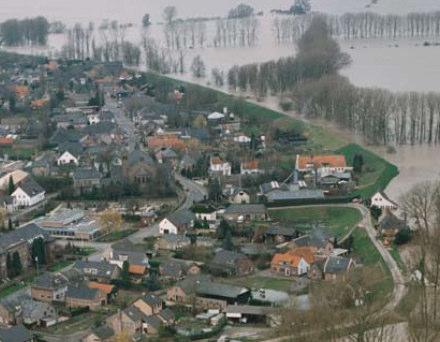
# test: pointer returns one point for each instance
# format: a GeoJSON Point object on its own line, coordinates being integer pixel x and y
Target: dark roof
{"type": "Point", "coordinates": [137, 156]}
{"type": "Point", "coordinates": [244, 209]}
{"type": "Point", "coordinates": [81, 292]}
{"type": "Point", "coordinates": [171, 269]}
{"type": "Point", "coordinates": [167, 314]}
{"type": "Point", "coordinates": [283, 231]}
{"type": "Point", "coordinates": [86, 173]}
{"type": "Point", "coordinates": [51, 281]}
{"type": "Point", "coordinates": [154, 321]}
{"type": "Point", "coordinates": [62, 135]}
{"type": "Point", "coordinates": [227, 258]}
{"type": "Point", "coordinates": [74, 148]}
{"type": "Point", "coordinates": [336, 264]}
{"type": "Point", "coordinates": [30, 187]}
{"type": "Point", "coordinates": [391, 221]}
{"type": "Point", "coordinates": [220, 290]}
{"type": "Point", "coordinates": [15, 334]}
{"type": "Point", "coordinates": [181, 217]}
{"type": "Point", "coordinates": [134, 313]}
{"type": "Point", "coordinates": [95, 268]}
{"type": "Point", "coordinates": [103, 332]}
{"type": "Point", "coordinates": [103, 127]}
{"type": "Point", "coordinates": [25, 233]}
{"type": "Point", "coordinates": [152, 299]}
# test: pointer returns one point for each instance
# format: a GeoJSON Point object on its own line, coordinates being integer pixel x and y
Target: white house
{"type": "Point", "coordinates": [67, 158]}
{"type": "Point", "coordinates": [219, 166]}
{"type": "Point", "coordinates": [94, 118]}
{"type": "Point", "coordinates": [167, 227]}
{"type": "Point", "coordinates": [177, 223]}
{"type": "Point", "coordinates": [28, 193]}
{"type": "Point", "coordinates": [382, 201]}
{"type": "Point", "coordinates": [240, 197]}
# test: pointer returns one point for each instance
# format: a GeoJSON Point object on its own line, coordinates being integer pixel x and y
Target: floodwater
{"type": "Point", "coordinates": [397, 66]}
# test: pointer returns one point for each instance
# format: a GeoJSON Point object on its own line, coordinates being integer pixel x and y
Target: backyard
{"type": "Point", "coordinates": [339, 220]}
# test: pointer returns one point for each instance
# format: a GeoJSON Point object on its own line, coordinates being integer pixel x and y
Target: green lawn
{"type": "Point", "coordinates": [338, 219]}
{"type": "Point", "coordinates": [58, 266]}
{"type": "Point", "coordinates": [117, 235]}
{"type": "Point", "coordinates": [11, 289]}
{"type": "Point", "coordinates": [376, 174]}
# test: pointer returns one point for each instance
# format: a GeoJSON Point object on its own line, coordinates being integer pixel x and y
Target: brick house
{"type": "Point", "coordinates": [231, 263]}
{"type": "Point", "coordinates": [79, 296]}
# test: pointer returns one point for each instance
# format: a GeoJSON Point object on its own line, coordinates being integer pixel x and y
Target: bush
{"type": "Point", "coordinates": [286, 105]}
{"type": "Point", "coordinates": [403, 236]}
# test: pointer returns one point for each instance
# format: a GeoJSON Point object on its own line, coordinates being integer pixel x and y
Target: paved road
{"type": "Point", "coordinates": [193, 193]}
{"type": "Point", "coordinates": [125, 124]}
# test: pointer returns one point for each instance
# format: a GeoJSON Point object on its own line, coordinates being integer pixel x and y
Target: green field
{"type": "Point", "coordinates": [260, 282]}
{"type": "Point", "coordinates": [376, 174]}
{"type": "Point", "coordinates": [117, 235]}
{"type": "Point", "coordinates": [339, 220]}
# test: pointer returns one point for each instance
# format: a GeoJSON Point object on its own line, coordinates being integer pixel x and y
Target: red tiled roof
{"type": "Point", "coordinates": [336, 160]}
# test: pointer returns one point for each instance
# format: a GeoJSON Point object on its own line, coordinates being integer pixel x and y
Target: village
{"type": "Point", "coordinates": [136, 205]}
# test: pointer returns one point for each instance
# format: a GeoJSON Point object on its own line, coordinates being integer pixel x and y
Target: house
{"type": "Point", "coordinates": [318, 239]}
{"type": "Point", "coordinates": [67, 158]}
{"type": "Point", "coordinates": [176, 223]}
{"type": "Point", "coordinates": [145, 316]}
{"type": "Point", "coordinates": [50, 287]}
{"type": "Point", "coordinates": [206, 294]}
{"type": "Point", "coordinates": [172, 270]}
{"type": "Point", "coordinates": [20, 241]}
{"type": "Point", "coordinates": [100, 271]}
{"type": "Point", "coordinates": [8, 203]}
{"type": "Point", "coordinates": [125, 250]}
{"type": "Point", "coordinates": [321, 163]}
{"type": "Point", "coordinates": [16, 333]}
{"type": "Point", "coordinates": [19, 308]}
{"type": "Point", "coordinates": [337, 267]}
{"type": "Point", "coordinates": [245, 212]}
{"type": "Point", "coordinates": [107, 289]}
{"type": "Point", "coordinates": [390, 225]}
{"type": "Point", "coordinates": [250, 168]}
{"type": "Point", "coordinates": [240, 197]}
{"type": "Point", "coordinates": [100, 334]}
{"type": "Point", "coordinates": [219, 167]}
{"type": "Point", "coordinates": [279, 234]}
{"type": "Point", "coordinates": [173, 242]}
{"type": "Point", "coordinates": [139, 168]}
{"type": "Point", "coordinates": [231, 263]}
{"type": "Point", "coordinates": [293, 263]}
{"type": "Point", "coordinates": [81, 296]}
{"type": "Point", "coordinates": [86, 180]}
{"type": "Point", "coordinates": [28, 193]}
{"type": "Point", "coordinates": [382, 201]}
{"type": "Point", "coordinates": [205, 212]}
{"type": "Point", "coordinates": [149, 304]}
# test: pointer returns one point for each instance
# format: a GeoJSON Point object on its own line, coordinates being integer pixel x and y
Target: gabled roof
{"type": "Point", "coordinates": [181, 217]}
{"type": "Point", "coordinates": [96, 268]}
{"type": "Point", "coordinates": [104, 288]}
{"type": "Point", "coordinates": [391, 221]}
{"type": "Point", "coordinates": [336, 160]}
{"type": "Point", "coordinates": [30, 187]}
{"type": "Point", "coordinates": [227, 258]}
{"type": "Point", "coordinates": [81, 292]}
{"type": "Point", "coordinates": [103, 332]}
{"type": "Point", "coordinates": [337, 264]}
{"type": "Point", "coordinates": [137, 269]}
{"type": "Point", "coordinates": [86, 173]}
{"type": "Point", "coordinates": [15, 334]}
{"type": "Point", "coordinates": [220, 290]}
{"type": "Point", "coordinates": [25, 233]}
{"type": "Point", "coordinates": [282, 231]}
{"type": "Point", "coordinates": [152, 299]}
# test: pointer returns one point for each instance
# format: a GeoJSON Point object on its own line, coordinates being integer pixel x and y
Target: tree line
{"type": "Point", "coordinates": [30, 31]}
{"type": "Point", "coordinates": [311, 82]}
{"type": "Point", "coordinates": [363, 25]}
